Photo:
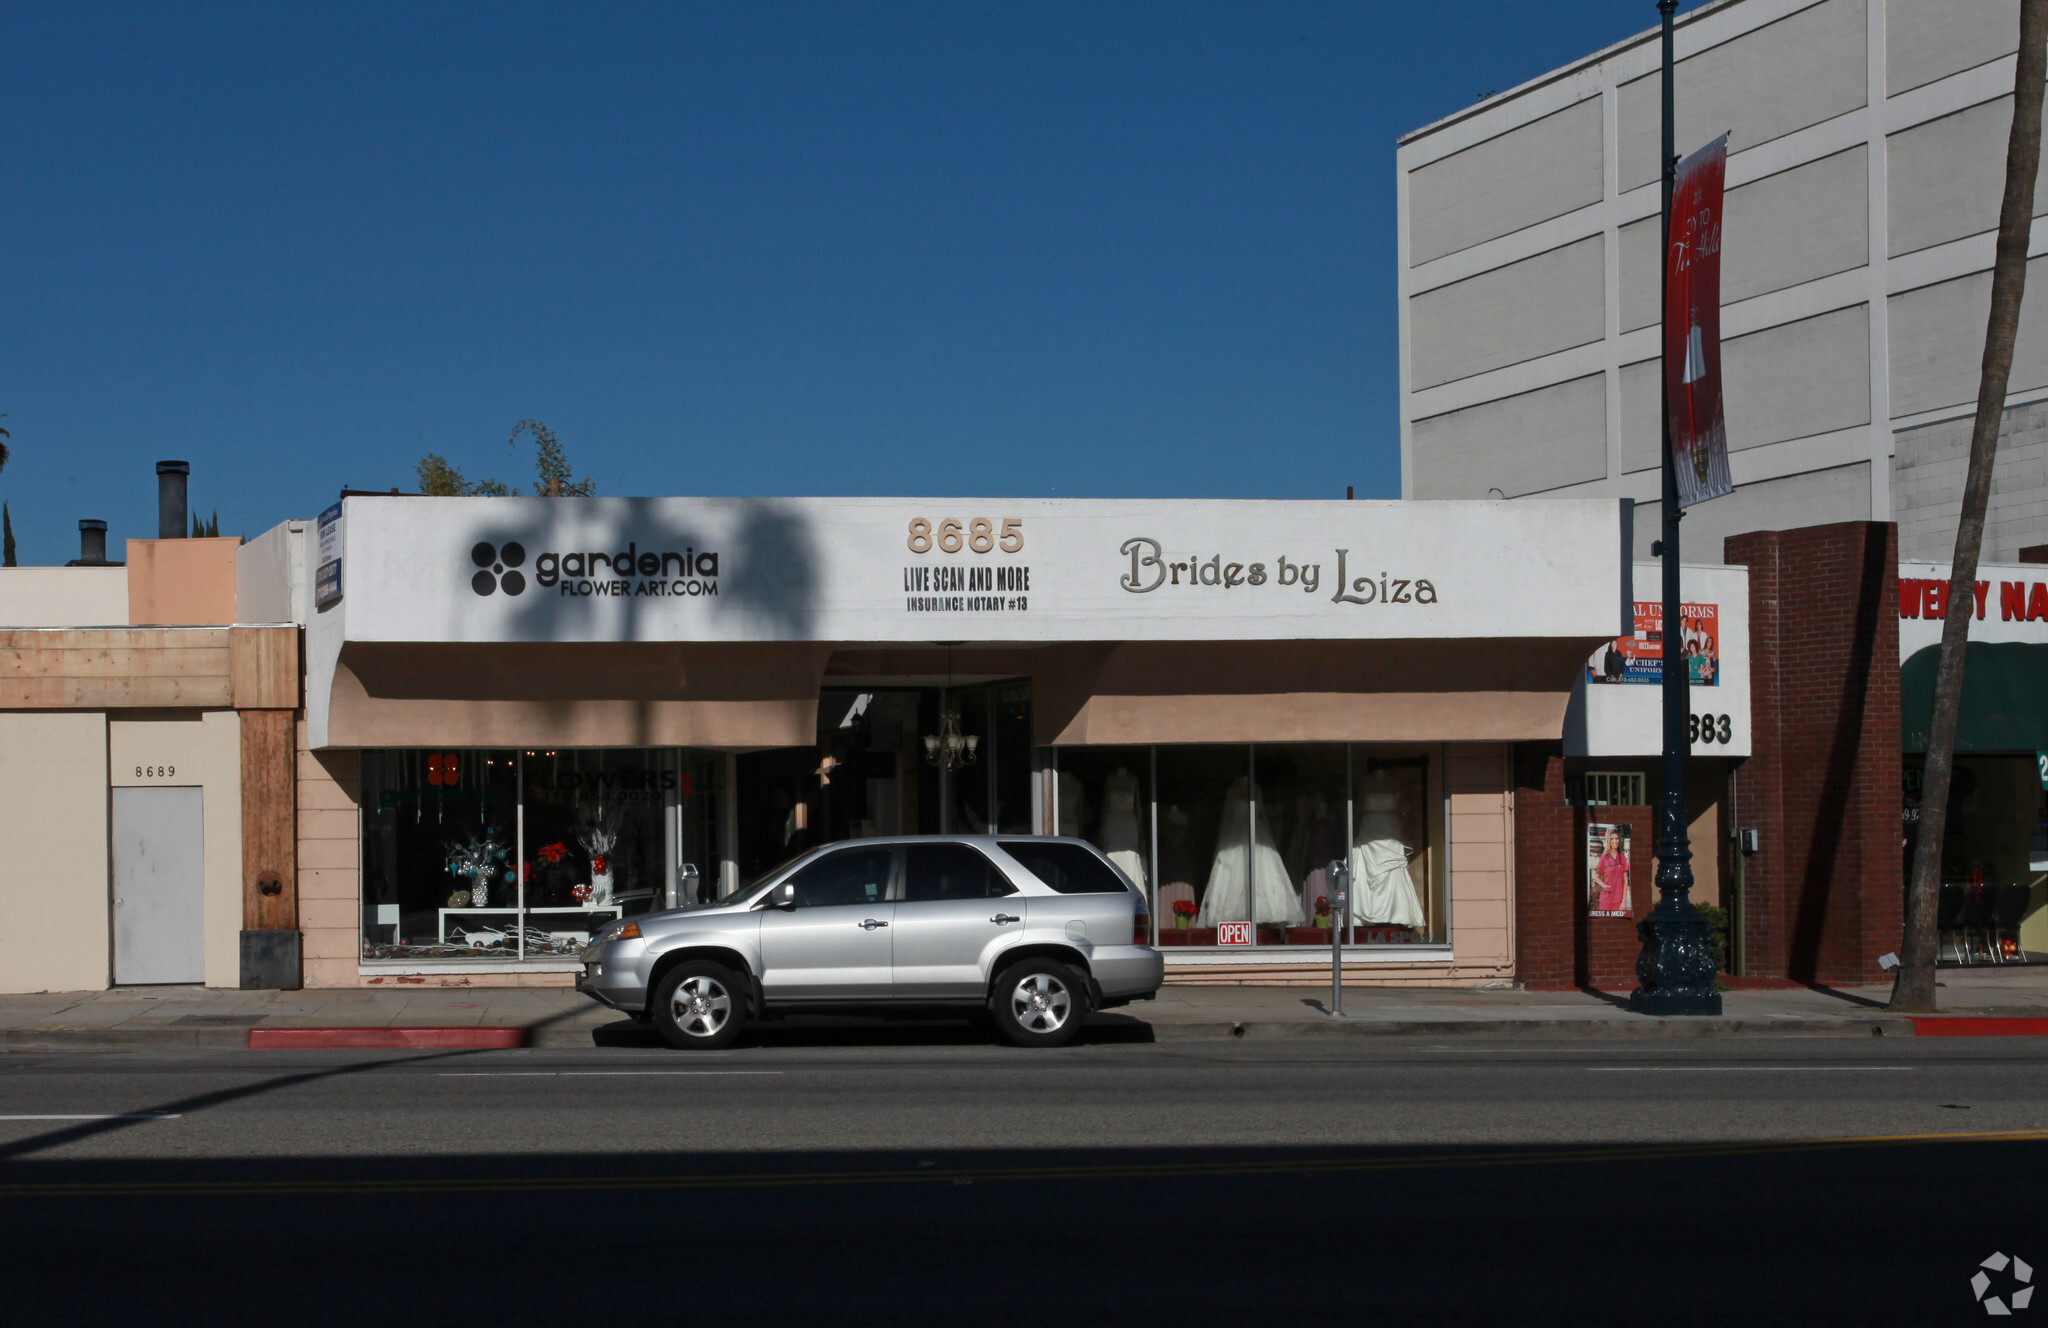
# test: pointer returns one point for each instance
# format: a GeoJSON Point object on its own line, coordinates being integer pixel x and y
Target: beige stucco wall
{"type": "Point", "coordinates": [329, 864]}
{"type": "Point", "coordinates": [1479, 784]}
{"type": "Point", "coordinates": [181, 582]}
{"type": "Point", "coordinates": [170, 748]}
{"type": "Point", "coordinates": [63, 596]}
{"type": "Point", "coordinates": [54, 930]}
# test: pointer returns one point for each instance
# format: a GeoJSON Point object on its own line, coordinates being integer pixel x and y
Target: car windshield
{"type": "Point", "coordinates": [746, 892]}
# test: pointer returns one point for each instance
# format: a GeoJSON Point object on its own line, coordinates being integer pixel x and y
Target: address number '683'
{"type": "Point", "coordinates": [979, 535]}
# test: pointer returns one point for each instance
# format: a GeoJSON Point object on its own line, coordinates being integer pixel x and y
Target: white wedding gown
{"type": "Point", "coordinates": [1224, 900]}
{"type": "Point", "coordinates": [1382, 891]}
{"type": "Point", "coordinates": [1120, 835]}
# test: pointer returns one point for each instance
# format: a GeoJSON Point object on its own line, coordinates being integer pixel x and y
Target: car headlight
{"type": "Point", "coordinates": [618, 931]}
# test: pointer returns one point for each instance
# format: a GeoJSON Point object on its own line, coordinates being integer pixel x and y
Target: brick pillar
{"type": "Point", "coordinates": [1824, 895]}
{"type": "Point", "coordinates": [1557, 944]}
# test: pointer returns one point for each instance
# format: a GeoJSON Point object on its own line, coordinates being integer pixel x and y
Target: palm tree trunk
{"type": "Point", "coordinates": [1914, 990]}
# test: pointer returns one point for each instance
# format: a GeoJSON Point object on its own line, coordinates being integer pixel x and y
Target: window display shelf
{"type": "Point", "coordinates": [513, 910]}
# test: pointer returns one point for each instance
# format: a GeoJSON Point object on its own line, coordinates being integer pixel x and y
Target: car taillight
{"type": "Point", "coordinates": [1141, 929]}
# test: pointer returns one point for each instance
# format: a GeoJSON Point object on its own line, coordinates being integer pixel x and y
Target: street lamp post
{"type": "Point", "coordinates": [1675, 971]}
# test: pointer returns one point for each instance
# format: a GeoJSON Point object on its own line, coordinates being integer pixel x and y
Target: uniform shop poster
{"type": "Point", "coordinates": [1640, 658]}
{"type": "Point", "coordinates": [1607, 893]}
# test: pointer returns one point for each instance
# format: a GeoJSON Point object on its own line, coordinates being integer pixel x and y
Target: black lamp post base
{"type": "Point", "coordinates": [1675, 971]}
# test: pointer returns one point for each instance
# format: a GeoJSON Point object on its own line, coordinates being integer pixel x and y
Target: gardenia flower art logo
{"type": "Point", "coordinates": [2019, 1296]}
{"type": "Point", "coordinates": [499, 568]}
{"type": "Point", "coordinates": [622, 573]}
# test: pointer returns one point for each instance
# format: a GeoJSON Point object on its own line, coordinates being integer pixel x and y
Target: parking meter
{"type": "Point", "coordinates": [1339, 873]}
{"type": "Point", "coordinates": [687, 886]}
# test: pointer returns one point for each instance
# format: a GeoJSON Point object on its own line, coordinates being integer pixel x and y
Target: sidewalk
{"type": "Point", "coordinates": [191, 1017]}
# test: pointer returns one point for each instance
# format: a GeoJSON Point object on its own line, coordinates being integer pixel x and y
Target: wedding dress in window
{"type": "Point", "coordinates": [1224, 900]}
{"type": "Point", "coordinates": [1120, 837]}
{"type": "Point", "coordinates": [1382, 891]}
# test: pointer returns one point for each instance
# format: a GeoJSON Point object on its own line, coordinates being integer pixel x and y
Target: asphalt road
{"type": "Point", "coordinates": [927, 1177]}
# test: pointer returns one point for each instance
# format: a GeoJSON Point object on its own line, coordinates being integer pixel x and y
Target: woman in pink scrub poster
{"type": "Point", "coordinates": [1607, 893]}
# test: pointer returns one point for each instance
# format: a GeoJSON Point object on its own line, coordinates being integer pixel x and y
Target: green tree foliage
{"type": "Point", "coordinates": [554, 478]}
{"type": "Point", "coordinates": [3, 451]}
{"type": "Point", "coordinates": [208, 529]}
{"type": "Point", "coordinates": [6, 537]}
{"type": "Point", "coordinates": [440, 479]}
{"type": "Point", "coordinates": [551, 463]}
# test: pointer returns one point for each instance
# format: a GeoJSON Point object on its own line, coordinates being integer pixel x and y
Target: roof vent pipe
{"type": "Point", "coordinates": [92, 543]}
{"type": "Point", "coordinates": [171, 478]}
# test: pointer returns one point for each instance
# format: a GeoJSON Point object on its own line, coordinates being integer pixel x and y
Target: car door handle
{"type": "Point", "coordinates": [869, 924]}
{"type": "Point", "coordinates": [1001, 918]}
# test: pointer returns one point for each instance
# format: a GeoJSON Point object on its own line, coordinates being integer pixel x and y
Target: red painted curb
{"type": "Point", "coordinates": [383, 1039]}
{"type": "Point", "coordinates": [1961, 1026]}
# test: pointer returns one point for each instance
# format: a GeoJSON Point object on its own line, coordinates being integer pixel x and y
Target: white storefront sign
{"type": "Point", "coordinates": [995, 570]}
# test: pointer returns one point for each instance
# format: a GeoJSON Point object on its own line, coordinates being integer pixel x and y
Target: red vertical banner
{"type": "Point", "coordinates": [1692, 327]}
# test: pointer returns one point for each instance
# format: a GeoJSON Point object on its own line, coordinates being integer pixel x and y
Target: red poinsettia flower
{"type": "Point", "coordinates": [553, 853]}
{"type": "Point", "coordinates": [1184, 908]}
{"type": "Point", "coordinates": [1322, 903]}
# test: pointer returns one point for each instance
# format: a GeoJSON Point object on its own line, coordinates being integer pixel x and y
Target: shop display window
{"type": "Point", "coordinates": [495, 855]}
{"type": "Point", "coordinates": [596, 842]}
{"type": "Point", "coordinates": [1104, 795]}
{"type": "Point", "coordinates": [1994, 857]}
{"type": "Point", "coordinates": [441, 854]}
{"type": "Point", "coordinates": [1235, 843]}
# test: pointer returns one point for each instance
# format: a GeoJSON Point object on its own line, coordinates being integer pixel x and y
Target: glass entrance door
{"type": "Point", "coordinates": [891, 761]}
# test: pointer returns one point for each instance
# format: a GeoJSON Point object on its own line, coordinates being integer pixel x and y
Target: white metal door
{"type": "Point", "coordinates": [159, 885]}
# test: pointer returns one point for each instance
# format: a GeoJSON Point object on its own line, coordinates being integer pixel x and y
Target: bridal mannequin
{"type": "Point", "coordinates": [1073, 804]}
{"type": "Point", "coordinates": [1382, 891]}
{"type": "Point", "coordinates": [1318, 841]}
{"type": "Point", "coordinates": [1224, 900]}
{"type": "Point", "coordinates": [1120, 837]}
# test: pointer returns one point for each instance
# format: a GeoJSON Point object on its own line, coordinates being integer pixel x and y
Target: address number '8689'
{"type": "Point", "coordinates": [979, 535]}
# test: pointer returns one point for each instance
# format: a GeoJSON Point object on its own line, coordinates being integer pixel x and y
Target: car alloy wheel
{"type": "Point", "coordinates": [1041, 1003]}
{"type": "Point", "coordinates": [700, 1006]}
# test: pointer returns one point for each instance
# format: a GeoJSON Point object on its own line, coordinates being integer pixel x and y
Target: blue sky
{"type": "Point", "coordinates": [1094, 250]}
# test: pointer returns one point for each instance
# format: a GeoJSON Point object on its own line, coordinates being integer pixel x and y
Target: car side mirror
{"type": "Point", "coordinates": [783, 896]}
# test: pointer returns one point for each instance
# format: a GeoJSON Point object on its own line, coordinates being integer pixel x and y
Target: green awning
{"type": "Point", "coordinates": [2005, 697]}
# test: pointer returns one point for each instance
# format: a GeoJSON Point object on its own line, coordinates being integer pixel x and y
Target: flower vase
{"type": "Point", "coordinates": [600, 889]}
{"type": "Point", "coordinates": [480, 893]}
{"type": "Point", "coordinates": [1323, 920]}
{"type": "Point", "coordinates": [1180, 920]}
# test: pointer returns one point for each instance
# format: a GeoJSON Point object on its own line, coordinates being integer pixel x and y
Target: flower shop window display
{"type": "Point", "coordinates": [443, 873]}
{"type": "Point", "coordinates": [440, 854]}
{"type": "Point", "coordinates": [596, 833]}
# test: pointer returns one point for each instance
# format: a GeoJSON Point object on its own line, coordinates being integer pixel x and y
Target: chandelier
{"type": "Point", "coordinates": [949, 749]}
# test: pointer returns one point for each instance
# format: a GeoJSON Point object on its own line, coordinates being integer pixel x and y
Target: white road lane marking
{"type": "Point", "coordinates": [590, 1074]}
{"type": "Point", "coordinates": [106, 1115]}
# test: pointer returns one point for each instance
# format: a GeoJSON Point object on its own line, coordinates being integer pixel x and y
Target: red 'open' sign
{"type": "Point", "coordinates": [1233, 933]}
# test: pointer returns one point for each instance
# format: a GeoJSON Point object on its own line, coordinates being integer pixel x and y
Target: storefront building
{"type": "Point", "coordinates": [146, 782]}
{"type": "Point", "coordinates": [525, 717]}
{"type": "Point", "coordinates": [1994, 858]}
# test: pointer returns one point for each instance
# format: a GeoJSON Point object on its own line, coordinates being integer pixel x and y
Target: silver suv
{"type": "Point", "coordinates": [1036, 931]}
